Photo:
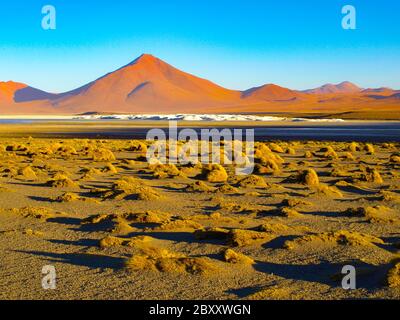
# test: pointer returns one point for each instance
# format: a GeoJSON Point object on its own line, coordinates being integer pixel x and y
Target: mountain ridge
{"type": "Point", "coordinates": [151, 85]}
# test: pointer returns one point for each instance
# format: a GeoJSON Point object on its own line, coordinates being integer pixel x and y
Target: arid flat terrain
{"type": "Point", "coordinates": [115, 227]}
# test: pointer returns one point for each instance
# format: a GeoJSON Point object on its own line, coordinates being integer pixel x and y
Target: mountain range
{"type": "Point", "coordinates": [150, 85]}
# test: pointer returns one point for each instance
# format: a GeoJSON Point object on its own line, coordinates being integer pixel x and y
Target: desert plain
{"type": "Point", "coordinates": [115, 227]}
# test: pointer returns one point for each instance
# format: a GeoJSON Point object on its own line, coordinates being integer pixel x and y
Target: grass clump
{"type": "Point", "coordinates": [294, 202]}
{"type": "Point", "coordinates": [103, 154]}
{"type": "Point", "coordinates": [137, 241]}
{"type": "Point", "coordinates": [199, 186]}
{"type": "Point", "coordinates": [330, 153]}
{"type": "Point", "coordinates": [371, 175]}
{"type": "Point", "coordinates": [395, 158]}
{"type": "Point", "coordinates": [28, 173]}
{"type": "Point", "coordinates": [68, 197]}
{"type": "Point", "coordinates": [307, 177]}
{"type": "Point", "coordinates": [41, 213]}
{"type": "Point", "coordinates": [60, 180]}
{"type": "Point", "coordinates": [252, 181]}
{"type": "Point", "coordinates": [109, 168]}
{"type": "Point", "coordinates": [376, 214]}
{"type": "Point", "coordinates": [211, 234]}
{"type": "Point", "coordinates": [393, 275]}
{"type": "Point", "coordinates": [130, 188]}
{"type": "Point", "coordinates": [178, 223]}
{"type": "Point", "coordinates": [276, 148]}
{"type": "Point", "coordinates": [369, 148]}
{"type": "Point", "coordinates": [108, 222]}
{"type": "Point", "coordinates": [150, 216]}
{"type": "Point", "coordinates": [227, 189]}
{"type": "Point", "coordinates": [240, 237]}
{"type": "Point", "coordinates": [341, 237]}
{"type": "Point", "coordinates": [234, 257]}
{"type": "Point", "coordinates": [325, 190]}
{"type": "Point", "coordinates": [214, 173]}
{"type": "Point", "coordinates": [163, 260]}
{"type": "Point", "coordinates": [354, 147]}
{"type": "Point", "coordinates": [162, 171]}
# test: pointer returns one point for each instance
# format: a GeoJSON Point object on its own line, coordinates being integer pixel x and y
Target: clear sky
{"type": "Point", "coordinates": [235, 43]}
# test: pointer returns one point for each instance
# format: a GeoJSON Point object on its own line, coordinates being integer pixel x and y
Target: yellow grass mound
{"type": "Point", "coordinates": [377, 214]}
{"type": "Point", "coordinates": [27, 173]}
{"type": "Point", "coordinates": [214, 173]}
{"type": "Point", "coordinates": [393, 275]}
{"type": "Point", "coordinates": [130, 188]}
{"type": "Point", "coordinates": [371, 175]}
{"type": "Point", "coordinates": [342, 237]}
{"type": "Point", "coordinates": [252, 181]}
{"type": "Point", "coordinates": [35, 212]}
{"type": "Point", "coordinates": [103, 154]}
{"type": "Point", "coordinates": [137, 241]}
{"type": "Point", "coordinates": [199, 186]}
{"type": "Point", "coordinates": [61, 180]}
{"type": "Point", "coordinates": [162, 260]}
{"type": "Point", "coordinates": [240, 237]}
{"type": "Point", "coordinates": [234, 257]}
{"type": "Point", "coordinates": [307, 177]}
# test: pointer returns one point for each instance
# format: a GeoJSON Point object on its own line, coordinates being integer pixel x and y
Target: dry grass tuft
{"type": "Point", "coordinates": [326, 190]}
{"type": "Point", "coordinates": [109, 222]}
{"type": "Point", "coordinates": [178, 223]}
{"type": "Point", "coordinates": [341, 237]}
{"type": "Point", "coordinates": [227, 189]}
{"type": "Point", "coordinates": [377, 214]}
{"type": "Point", "coordinates": [307, 177]}
{"type": "Point", "coordinates": [395, 158]}
{"type": "Point", "coordinates": [214, 173]}
{"type": "Point", "coordinates": [28, 173]}
{"type": "Point", "coordinates": [369, 148]}
{"type": "Point", "coordinates": [103, 154]}
{"type": "Point", "coordinates": [137, 241]}
{"type": "Point", "coordinates": [294, 202]}
{"type": "Point", "coordinates": [240, 237]}
{"type": "Point", "coordinates": [41, 213]}
{"type": "Point", "coordinates": [252, 181]}
{"type": "Point", "coordinates": [354, 147]}
{"type": "Point", "coordinates": [109, 168]}
{"type": "Point", "coordinates": [61, 180]}
{"type": "Point", "coordinates": [393, 275]}
{"type": "Point", "coordinates": [162, 171]}
{"type": "Point", "coordinates": [371, 175]}
{"type": "Point", "coordinates": [199, 186]}
{"type": "Point", "coordinates": [162, 260]}
{"type": "Point", "coordinates": [130, 188]}
{"type": "Point", "coordinates": [211, 234]}
{"type": "Point", "coordinates": [68, 197]}
{"type": "Point", "coordinates": [150, 216]}
{"type": "Point", "coordinates": [234, 257]}
{"type": "Point", "coordinates": [330, 153]}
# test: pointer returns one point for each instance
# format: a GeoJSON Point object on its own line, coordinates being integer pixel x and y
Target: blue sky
{"type": "Point", "coordinates": [235, 43]}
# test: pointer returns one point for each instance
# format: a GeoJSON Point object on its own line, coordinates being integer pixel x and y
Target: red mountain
{"type": "Point", "coordinates": [146, 85]}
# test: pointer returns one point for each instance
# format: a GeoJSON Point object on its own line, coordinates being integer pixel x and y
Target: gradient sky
{"type": "Point", "coordinates": [235, 43]}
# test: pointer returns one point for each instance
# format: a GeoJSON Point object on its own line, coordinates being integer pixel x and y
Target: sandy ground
{"type": "Point", "coordinates": [115, 228]}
